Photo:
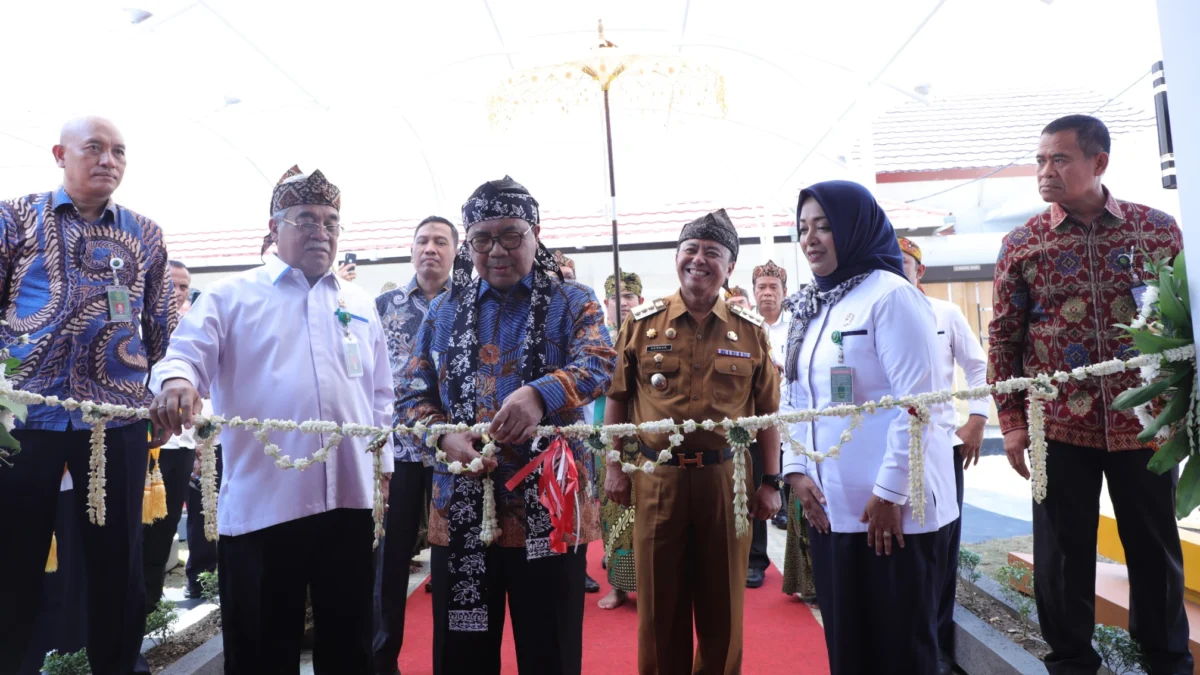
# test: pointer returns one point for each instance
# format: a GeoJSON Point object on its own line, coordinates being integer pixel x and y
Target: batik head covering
{"type": "Point", "coordinates": [468, 611]}
{"type": "Point", "coordinates": [563, 261]}
{"type": "Point", "coordinates": [864, 241]}
{"type": "Point", "coordinates": [630, 283]}
{"type": "Point", "coordinates": [295, 188]}
{"type": "Point", "coordinates": [714, 226]}
{"type": "Point", "coordinates": [907, 246]}
{"type": "Point", "coordinates": [770, 269]}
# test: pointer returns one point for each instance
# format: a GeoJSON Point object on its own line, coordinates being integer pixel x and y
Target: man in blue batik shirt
{"type": "Point", "coordinates": [516, 347]}
{"type": "Point", "coordinates": [402, 312]}
{"type": "Point", "coordinates": [87, 280]}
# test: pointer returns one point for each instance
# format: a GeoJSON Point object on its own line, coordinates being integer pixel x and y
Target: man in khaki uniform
{"type": "Point", "coordinates": [691, 356]}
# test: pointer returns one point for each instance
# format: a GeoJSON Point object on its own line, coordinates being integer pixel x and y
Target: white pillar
{"type": "Point", "coordinates": [1179, 22]}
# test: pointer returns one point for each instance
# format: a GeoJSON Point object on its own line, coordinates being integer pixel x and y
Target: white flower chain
{"type": "Point", "coordinates": [208, 479]}
{"type": "Point", "coordinates": [106, 412]}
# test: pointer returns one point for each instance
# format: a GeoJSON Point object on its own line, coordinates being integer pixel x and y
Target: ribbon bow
{"type": "Point", "coordinates": [558, 491]}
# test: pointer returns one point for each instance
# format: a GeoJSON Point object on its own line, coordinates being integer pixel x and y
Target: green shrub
{"type": "Point", "coordinates": [160, 623]}
{"type": "Point", "coordinates": [1010, 576]}
{"type": "Point", "coordinates": [66, 664]}
{"type": "Point", "coordinates": [1120, 652]}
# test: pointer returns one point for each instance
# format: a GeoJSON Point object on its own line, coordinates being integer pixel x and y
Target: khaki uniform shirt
{"type": "Point", "coordinates": [717, 369]}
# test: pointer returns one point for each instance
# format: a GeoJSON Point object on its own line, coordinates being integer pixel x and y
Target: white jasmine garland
{"type": "Point", "coordinates": [490, 526]}
{"type": "Point", "coordinates": [741, 512]}
{"type": "Point", "coordinates": [97, 463]}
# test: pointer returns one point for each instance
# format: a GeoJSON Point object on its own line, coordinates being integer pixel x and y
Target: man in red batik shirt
{"type": "Point", "coordinates": [1063, 280]}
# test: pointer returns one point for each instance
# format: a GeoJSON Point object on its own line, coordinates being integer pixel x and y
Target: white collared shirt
{"type": "Point", "coordinates": [777, 334]}
{"type": "Point", "coordinates": [889, 339]}
{"type": "Point", "coordinates": [264, 344]}
{"type": "Point", "coordinates": [959, 344]}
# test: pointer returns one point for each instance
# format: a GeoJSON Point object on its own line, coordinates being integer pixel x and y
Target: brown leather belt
{"type": "Point", "coordinates": [690, 460]}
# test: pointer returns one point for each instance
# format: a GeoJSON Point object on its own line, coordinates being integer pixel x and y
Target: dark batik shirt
{"type": "Point", "coordinates": [402, 311]}
{"type": "Point", "coordinates": [583, 359]}
{"type": "Point", "coordinates": [54, 279]}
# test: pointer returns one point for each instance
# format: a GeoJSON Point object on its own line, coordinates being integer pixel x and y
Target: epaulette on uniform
{"type": "Point", "coordinates": [747, 314]}
{"type": "Point", "coordinates": [649, 308]}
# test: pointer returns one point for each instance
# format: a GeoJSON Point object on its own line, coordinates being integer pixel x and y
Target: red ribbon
{"type": "Point", "coordinates": [558, 498]}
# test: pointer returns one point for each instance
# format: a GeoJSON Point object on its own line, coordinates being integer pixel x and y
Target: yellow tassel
{"type": "Point", "coordinates": [149, 499]}
{"type": "Point", "coordinates": [52, 559]}
{"type": "Point", "coordinates": [158, 495]}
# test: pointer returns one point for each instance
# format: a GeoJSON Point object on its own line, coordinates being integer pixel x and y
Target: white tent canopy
{"type": "Point", "coordinates": [217, 98]}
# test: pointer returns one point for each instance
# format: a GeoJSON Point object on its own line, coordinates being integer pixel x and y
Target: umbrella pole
{"type": "Point", "coordinates": [612, 193]}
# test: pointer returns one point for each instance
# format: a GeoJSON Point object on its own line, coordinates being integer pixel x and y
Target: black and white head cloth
{"type": "Point", "coordinates": [493, 200]}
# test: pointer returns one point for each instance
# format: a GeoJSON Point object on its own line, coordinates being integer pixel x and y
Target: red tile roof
{"type": "Point", "coordinates": [989, 130]}
{"type": "Point", "coordinates": [390, 238]}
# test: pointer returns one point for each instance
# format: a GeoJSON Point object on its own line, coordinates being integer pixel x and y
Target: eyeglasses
{"type": "Point", "coordinates": [509, 240]}
{"type": "Point", "coordinates": [310, 228]}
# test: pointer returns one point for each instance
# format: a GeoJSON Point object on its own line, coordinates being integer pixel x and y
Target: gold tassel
{"type": "Point", "coordinates": [154, 506]}
{"type": "Point", "coordinates": [158, 491]}
{"type": "Point", "coordinates": [52, 559]}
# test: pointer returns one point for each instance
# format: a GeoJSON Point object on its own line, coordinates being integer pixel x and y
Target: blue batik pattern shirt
{"type": "Point", "coordinates": [54, 278]}
{"type": "Point", "coordinates": [402, 311]}
{"type": "Point", "coordinates": [582, 361]}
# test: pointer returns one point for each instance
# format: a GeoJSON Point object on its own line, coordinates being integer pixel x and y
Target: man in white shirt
{"type": "Point", "coordinates": [769, 282]}
{"type": "Point", "coordinates": [289, 340]}
{"type": "Point", "coordinates": [961, 346]}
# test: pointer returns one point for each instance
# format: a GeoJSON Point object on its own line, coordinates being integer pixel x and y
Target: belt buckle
{"type": "Point", "coordinates": [695, 461]}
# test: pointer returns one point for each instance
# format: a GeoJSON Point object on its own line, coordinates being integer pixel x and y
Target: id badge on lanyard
{"type": "Point", "coordinates": [841, 384]}
{"type": "Point", "coordinates": [351, 354]}
{"type": "Point", "coordinates": [120, 309]}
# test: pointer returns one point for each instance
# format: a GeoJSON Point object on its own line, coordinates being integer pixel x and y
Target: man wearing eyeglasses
{"type": "Point", "coordinates": [515, 347]}
{"type": "Point", "coordinates": [289, 340]}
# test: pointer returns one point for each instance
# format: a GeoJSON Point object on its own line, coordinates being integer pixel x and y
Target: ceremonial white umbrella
{"type": "Point", "coordinates": [663, 83]}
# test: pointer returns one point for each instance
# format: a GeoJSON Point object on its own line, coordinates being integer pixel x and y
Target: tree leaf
{"type": "Point", "coordinates": [1181, 282]}
{"type": "Point", "coordinates": [7, 440]}
{"type": "Point", "coordinates": [1170, 454]}
{"type": "Point", "coordinates": [1132, 398]}
{"type": "Point", "coordinates": [19, 410]}
{"type": "Point", "coordinates": [1149, 343]}
{"type": "Point", "coordinates": [1168, 302]}
{"type": "Point", "coordinates": [1187, 494]}
{"type": "Point", "coordinates": [10, 365]}
{"type": "Point", "coordinates": [1174, 411]}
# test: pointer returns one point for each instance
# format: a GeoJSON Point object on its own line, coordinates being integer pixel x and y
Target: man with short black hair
{"type": "Point", "coordinates": [86, 279]}
{"type": "Point", "coordinates": [402, 312]}
{"type": "Point", "coordinates": [1064, 281]}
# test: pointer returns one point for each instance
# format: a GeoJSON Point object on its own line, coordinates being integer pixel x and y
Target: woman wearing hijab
{"type": "Point", "coordinates": [859, 333]}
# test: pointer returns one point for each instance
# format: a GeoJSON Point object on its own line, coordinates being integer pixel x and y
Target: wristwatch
{"type": "Point", "coordinates": [773, 480]}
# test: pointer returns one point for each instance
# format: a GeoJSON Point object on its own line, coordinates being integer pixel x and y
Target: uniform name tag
{"type": "Point", "coordinates": [730, 352]}
{"type": "Point", "coordinates": [841, 381]}
{"type": "Point", "coordinates": [119, 308]}
{"type": "Point", "coordinates": [658, 348]}
{"type": "Point", "coordinates": [354, 366]}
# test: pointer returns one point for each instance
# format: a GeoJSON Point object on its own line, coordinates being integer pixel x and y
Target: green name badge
{"type": "Point", "coordinates": [119, 308]}
{"type": "Point", "coordinates": [841, 381]}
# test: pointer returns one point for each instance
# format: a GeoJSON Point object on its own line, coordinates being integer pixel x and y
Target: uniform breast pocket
{"type": "Point", "coordinates": [859, 344]}
{"type": "Point", "coordinates": [731, 378]}
{"type": "Point", "coordinates": [650, 368]}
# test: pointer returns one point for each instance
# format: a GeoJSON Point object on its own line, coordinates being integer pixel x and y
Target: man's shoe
{"type": "Point", "coordinates": [428, 586]}
{"type": "Point", "coordinates": [590, 585]}
{"type": "Point", "coordinates": [754, 578]}
{"type": "Point", "coordinates": [193, 592]}
{"type": "Point", "coordinates": [780, 520]}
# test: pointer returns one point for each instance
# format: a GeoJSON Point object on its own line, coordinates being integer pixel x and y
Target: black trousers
{"type": "Point", "coordinates": [263, 577]}
{"type": "Point", "coordinates": [176, 467]}
{"type": "Point", "coordinates": [410, 490]}
{"type": "Point", "coordinates": [1064, 553]}
{"type": "Point", "coordinates": [202, 553]}
{"type": "Point", "coordinates": [61, 622]}
{"type": "Point", "coordinates": [945, 615]}
{"type": "Point", "coordinates": [758, 528]}
{"type": "Point", "coordinates": [545, 599]}
{"type": "Point", "coordinates": [113, 553]}
{"type": "Point", "coordinates": [879, 611]}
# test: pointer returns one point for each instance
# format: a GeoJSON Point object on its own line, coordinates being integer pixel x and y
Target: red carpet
{"type": "Point", "coordinates": [781, 635]}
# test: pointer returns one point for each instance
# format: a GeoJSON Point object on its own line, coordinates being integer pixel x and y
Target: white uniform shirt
{"type": "Point", "coordinates": [265, 344]}
{"type": "Point", "coordinates": [777, 335]}
{"type": "Point", "coordinates": [889, 338]}
{"type": "Point", "coordinates": [959, 344]}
